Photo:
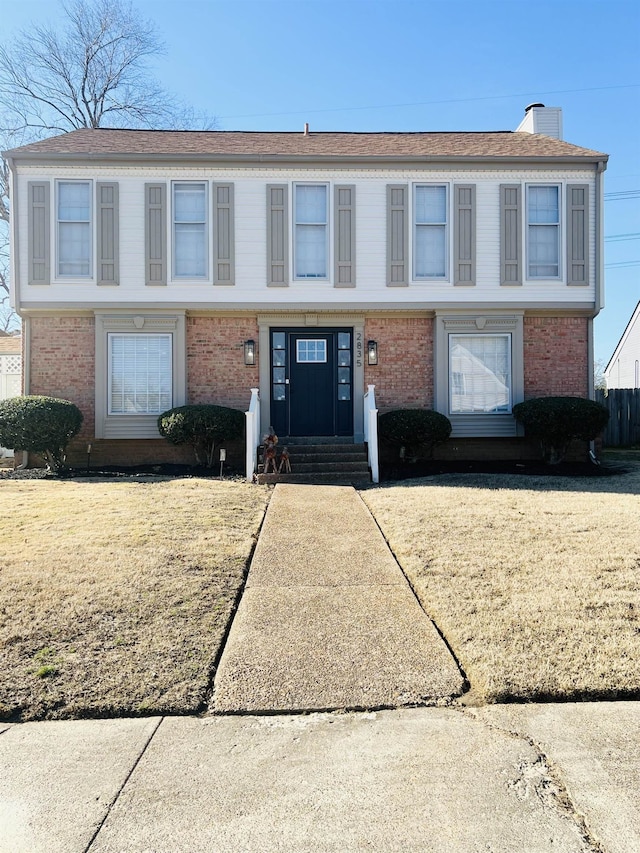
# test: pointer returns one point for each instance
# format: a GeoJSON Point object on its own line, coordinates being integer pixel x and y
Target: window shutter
{"type": "Point", "coordinates": [397, 235]}
{"type": "Point", "coordinates": [223, 234]}
{"type": "Point", "coordinates": [510, 234]}
{"type": "Point", "coordinates": [464, 234]}
{"type": "Point", "coordinates": [108, 233]}
{"type": "Point", "coordinates": [345, 236]}
{"type": "Point", "coordinates": [277, 235]}
{"type": "Point", "coordinates": [39, 242]}
{"type": "Point", "coordinates": [155, 233]}
{"type": "Point", "coordinates": [577, 234]}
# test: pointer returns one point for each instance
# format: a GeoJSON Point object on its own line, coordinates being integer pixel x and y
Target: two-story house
{"type": "Point", "coordinates": [455, 271]}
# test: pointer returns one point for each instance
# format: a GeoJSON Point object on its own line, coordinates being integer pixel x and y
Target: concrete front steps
{"type": "Point", "coordinates": [322, 463]}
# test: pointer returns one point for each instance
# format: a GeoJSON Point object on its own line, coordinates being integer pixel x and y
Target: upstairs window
{"type": "Point", "coordinates": [74, 228]}
{"type": "Point", "coordinates": [543, 231]}
{"type": "Point", "coordinates": [311, 221]}
{"type": "Point", "coordinates": [430, 231]}
{"type": "Point", "coordinates": [190, 256]}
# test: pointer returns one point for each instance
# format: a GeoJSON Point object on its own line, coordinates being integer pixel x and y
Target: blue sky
{"type": "Point", "coordinates": [404, 65]}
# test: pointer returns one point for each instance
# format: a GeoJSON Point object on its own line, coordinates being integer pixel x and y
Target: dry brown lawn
{"type": "Point", "coordinates": [115, 595]}
{"type": "Point", "coordinates": [533, 581]}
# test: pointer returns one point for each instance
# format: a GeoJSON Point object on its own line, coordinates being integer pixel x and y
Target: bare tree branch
{"type": "Point", "coordinates": [92, 71]}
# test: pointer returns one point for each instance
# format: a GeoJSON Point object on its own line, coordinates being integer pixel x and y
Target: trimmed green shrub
{"type": "Point", "coordinates": [43, 425]}
{"type": "Point", "coordinates": [416, 430]}
{"type": "Point", "coordinates": [555, 421]}
{"type": "Point", "coordinates": [203, 427]}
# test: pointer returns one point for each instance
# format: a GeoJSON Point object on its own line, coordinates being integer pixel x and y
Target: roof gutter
{"type": "Point", "coordinates": [284, 159]}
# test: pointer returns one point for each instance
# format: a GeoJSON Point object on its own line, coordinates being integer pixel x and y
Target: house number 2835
{"type": "Point", "coordinates": [359, 348]}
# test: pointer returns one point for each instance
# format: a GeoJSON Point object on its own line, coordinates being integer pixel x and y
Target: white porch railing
{"type": "Point", "coordinates": [253, 435]}
{"type": "Point", "coordinates": [371, 432]}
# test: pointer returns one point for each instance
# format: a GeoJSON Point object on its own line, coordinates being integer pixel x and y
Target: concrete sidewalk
{"type": "Point", "coordinates": [327, 619]}
{"type": "Point", "coordinates": [506, 779]}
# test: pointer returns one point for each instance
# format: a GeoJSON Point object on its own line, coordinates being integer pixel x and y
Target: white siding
{"type": "Point", "coordinates": [250, 232]}
{"type": "Point", "coordinates": [624, 368]}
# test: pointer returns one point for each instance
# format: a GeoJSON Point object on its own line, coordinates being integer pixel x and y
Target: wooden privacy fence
{"type": "Point", "coordinates": [624, 416]}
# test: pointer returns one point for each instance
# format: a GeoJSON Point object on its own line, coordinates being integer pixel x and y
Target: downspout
{"type": "Point", "coordinates": [26, 376]}
{"type": "Point", "coordinates": [14, 260]}
{"type": "Point", "coordinates": [599, 270]}
{"type": "Point", "coordinates": [599, 287]}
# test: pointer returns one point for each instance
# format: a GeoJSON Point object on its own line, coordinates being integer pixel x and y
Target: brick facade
{"type": "Point", "coordinates": [216, 372]}
{"type": "Point", "coordinates": [62, 364]}
{"type": "Point", "coordinates": [556, 357]}
{"type": "Point", "coordinates": [404, 374]}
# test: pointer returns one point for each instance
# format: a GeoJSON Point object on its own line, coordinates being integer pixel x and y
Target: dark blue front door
{"type": "Point", "coordinates": [311, 380]}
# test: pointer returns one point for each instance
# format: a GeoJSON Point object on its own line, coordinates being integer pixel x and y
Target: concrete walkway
{"type": "Point", "coordinates": [327, 619]}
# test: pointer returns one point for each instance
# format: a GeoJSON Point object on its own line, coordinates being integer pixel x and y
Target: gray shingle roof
{"type": "Point", "coordinates": [219, 144]}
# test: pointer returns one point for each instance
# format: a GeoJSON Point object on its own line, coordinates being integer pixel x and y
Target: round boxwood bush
{"type": "Point", "coordinates": [203, 426]}
{"type": "Point", "coordinates": [555, 421]}
{"type": "Point", "coordinates": [417, 430]}
{"type": "Point", "coordinates": [43, 425]}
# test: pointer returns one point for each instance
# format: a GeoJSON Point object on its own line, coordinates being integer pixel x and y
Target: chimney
{"type": "Point", "coordinates": [541, 119]}
{"type": "Point", "coordinates": [306, 128]}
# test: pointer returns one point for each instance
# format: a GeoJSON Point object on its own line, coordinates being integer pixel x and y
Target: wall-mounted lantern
{"type": "Point", "coordinates": [372, 352]}
{"type": "Point", "coordinates": [250, 353]}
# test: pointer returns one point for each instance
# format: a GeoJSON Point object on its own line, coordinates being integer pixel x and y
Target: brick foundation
{"type": "Point", "coordinates": [404, 374]}
{"type": "Point", "coordinates": [132, 452]}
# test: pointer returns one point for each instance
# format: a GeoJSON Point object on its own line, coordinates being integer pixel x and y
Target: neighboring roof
{"type": "Point", "coordinates": [220, 144]}
{"type": "Point", "coordinates": [635, 316]}
{"type": "Point", "coordinates": [10, 344]}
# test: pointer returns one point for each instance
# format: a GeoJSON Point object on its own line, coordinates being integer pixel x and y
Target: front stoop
{"type": "Point", "coordinates": [328, 464]}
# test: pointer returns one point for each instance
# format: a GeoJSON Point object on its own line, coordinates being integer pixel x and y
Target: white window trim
{"type": "Point", "coordinates": [128, 426]}
{"type": "Point", "coordinates": [208, 233]}
{"type": "Point", "coordinates": [92, 225]}
{"type": "Point", "coordinates": [421, 279]}
{"type": "Point", "coordinates": [327, 226]}
{"type": "Point", "coordinates": [561, 224]}
{"type": "Point", "coordinates": [110, 336]}
{"type": "Point", "coordinates": [312, 360]}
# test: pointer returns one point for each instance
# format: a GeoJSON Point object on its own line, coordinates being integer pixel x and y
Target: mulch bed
{"type": "Point", "coordinates": [430, 468]}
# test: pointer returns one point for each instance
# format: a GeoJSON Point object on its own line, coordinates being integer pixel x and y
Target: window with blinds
{"type": "Point", "coordinates": [430, 231]}
{"type": "Point", "coordinates": [74, 228]}
{"type": "Point", "coordinates": [543, 231]}
{"type": "Point", "coordinates": [190, 231]}
{"type": "Point", "coordinates": [479, 374]}
{"type": "Point", "coordinates": [311, 246]}
{"type": "Point", "coordinates": [140, 374]}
